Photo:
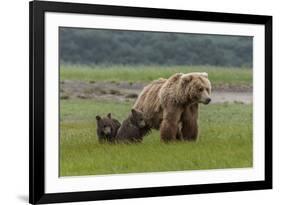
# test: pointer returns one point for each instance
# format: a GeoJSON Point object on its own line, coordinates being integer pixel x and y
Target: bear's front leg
{"type": "Point", "coordinates": [179, 132]}
{"type": "Point", "coordinates": [189, 122]}
{"type": "Point", "coordinates": [169, 124]}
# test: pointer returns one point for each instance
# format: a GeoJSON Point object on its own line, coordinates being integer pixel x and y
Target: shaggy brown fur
{"type": "Point", "coordinates": [107, 128]}
{"type": "Point", "coordinates": [133, 129]}
{"type": "Point", "coordinates": [171, 105]}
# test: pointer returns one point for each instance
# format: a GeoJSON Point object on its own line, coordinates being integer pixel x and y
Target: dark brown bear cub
{"type": "Point", "coordinates": [133, 129]}
{"type": "Point", "coordinates": [107, 128]}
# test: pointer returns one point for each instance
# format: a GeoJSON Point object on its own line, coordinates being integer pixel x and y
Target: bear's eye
{"type": "Point", "coordinates": [201, 89]}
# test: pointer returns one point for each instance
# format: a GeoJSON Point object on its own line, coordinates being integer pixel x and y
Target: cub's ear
{"type": "Point", "coordinates": [204, 74]}
{"type": "Point", "coordinates": [109, 115]}
{"type": "Point", "coordinates": [98, 118]}
{"type": "Point", "coordinates": [134, 112]}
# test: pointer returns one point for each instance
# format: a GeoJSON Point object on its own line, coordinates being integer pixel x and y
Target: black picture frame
{"type": "Point", "coordinates": [37, 10]}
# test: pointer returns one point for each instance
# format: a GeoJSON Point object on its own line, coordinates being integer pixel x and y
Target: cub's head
{"type": "Point", "coordinates": [196, 87]}
{"type": "Point", "coordinates": [137, 118]}
{"type": "Point", "coordinates": [104, 125]}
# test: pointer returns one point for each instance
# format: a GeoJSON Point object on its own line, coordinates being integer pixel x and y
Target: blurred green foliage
{"type": "Point", "coordinates": [110, 47]}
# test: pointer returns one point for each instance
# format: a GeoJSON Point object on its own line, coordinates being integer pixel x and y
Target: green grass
{"type": "Point", "coordinates": [217, 75]}
{"type": "Point", "coordinates": [225, 142]}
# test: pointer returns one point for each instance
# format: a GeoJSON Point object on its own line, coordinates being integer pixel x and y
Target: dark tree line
{"type": "Point", "coordinates": [91, 46]}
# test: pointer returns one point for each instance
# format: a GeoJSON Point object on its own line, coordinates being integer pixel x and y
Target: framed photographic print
{"type": "Point", "coordinates": [140, 102]}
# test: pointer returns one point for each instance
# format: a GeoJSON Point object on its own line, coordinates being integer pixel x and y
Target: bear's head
{"type": "Point", "coordinates": [104, 125]}
{"type": "Point", "coordinates": [137, 118]}
{"type": "Point", "coordinates": [196, 87]}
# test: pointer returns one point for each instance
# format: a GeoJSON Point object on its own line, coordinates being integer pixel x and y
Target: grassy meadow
{"type": "Point", "coordinates": [225, 129]}
{"type": "Point", "coordinates": [218, 75]}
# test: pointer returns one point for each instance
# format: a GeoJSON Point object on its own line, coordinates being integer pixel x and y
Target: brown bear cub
{"type": "Point", "coordinates": [133, 129]}
{"type": "Point", "coordinates": [107, 128]}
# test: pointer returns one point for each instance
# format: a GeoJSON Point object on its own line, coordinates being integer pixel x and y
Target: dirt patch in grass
{"type": "Point", "coordinates": [129, 91]}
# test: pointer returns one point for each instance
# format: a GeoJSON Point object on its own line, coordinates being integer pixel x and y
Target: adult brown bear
{"type": "Point", "coordinates": [171, 105]}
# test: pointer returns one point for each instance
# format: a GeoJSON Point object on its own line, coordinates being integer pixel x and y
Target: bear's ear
{"type": "Point", "coordinates": [98, 118]}
{"type": "Point", "coordinates": [187, 78]}
{"type": "Point", "coordinates": [109, 115]}
{"type": "Point", "coordinates": [204, 74]}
